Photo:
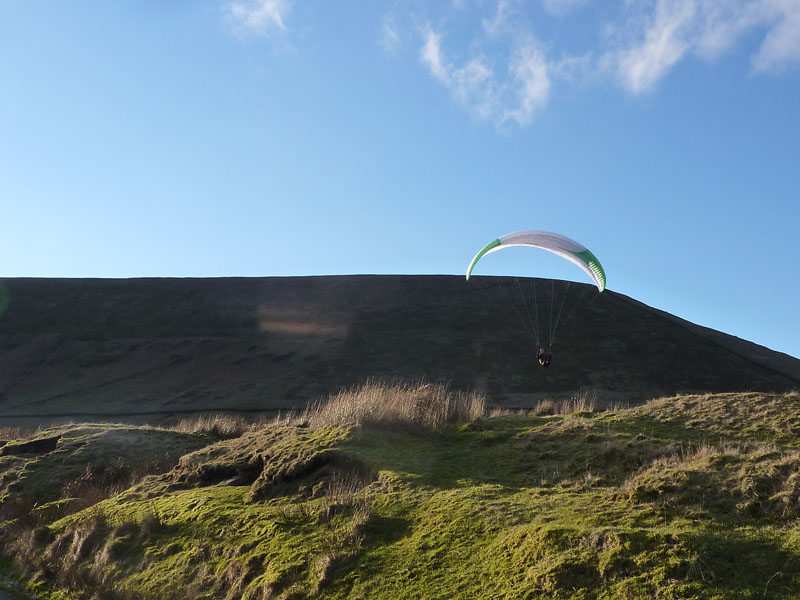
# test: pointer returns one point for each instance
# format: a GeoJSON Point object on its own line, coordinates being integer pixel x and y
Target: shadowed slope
{"type": "Point", "coordinates": [127, 347]}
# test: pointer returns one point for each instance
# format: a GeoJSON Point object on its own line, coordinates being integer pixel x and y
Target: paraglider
{"type": "Point", "coordinates": [564, 247]}
{"type": "Point", "coordinates": [544, 357]}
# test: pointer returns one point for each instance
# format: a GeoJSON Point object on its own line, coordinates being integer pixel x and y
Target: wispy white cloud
{"type": "Point", "coordinates": [499, 69]}
{"type": "Point", "coordinates": [664, 43]}
{"type": "Point", "coordinates": [667, 31]}
{"type": "Point", "coordinates": [472, 84]}
{"type": "Point", "coordinates": [513, 94]}
{"type": "Point", "coordinates": [530, 69]}
{"type": "Point", "coordinates": [258, 17]}
{"type": "Point", "coordinates": [781, 46]}
{"type": "Point", "coordinates": [502, 72]}
{"type": "Point", "coordinates": [389, 38]}
{"type": "Point", "coordinates": [475, 86]}
{"type": "Point", "coordinates": [431, 56]}
{"type": "Point", "coordinates": [721, 23]}
{"type": "Point", "coordinates": [501, 20]}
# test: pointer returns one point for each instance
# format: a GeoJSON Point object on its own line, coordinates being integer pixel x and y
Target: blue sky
{"type": "Point", "coordinates": [282, 137]}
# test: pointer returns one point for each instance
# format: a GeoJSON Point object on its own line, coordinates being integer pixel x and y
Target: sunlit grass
{"type": "Point", "coordinates": [397, 404]}
{"type": "Point", "coordinates": [388, 491]}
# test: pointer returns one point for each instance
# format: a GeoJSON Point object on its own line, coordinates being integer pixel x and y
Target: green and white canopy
{"type": "Point", "coordinates": [558, 244]}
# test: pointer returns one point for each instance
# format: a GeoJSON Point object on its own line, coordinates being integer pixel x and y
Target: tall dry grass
{"type": "Point", "coordinates": [425, 405]}
{"type": "Point", "coordinates": [216, 424]}
{"type": "Point", "coordinates": [584, 400]}
{"type": "Point", "coordinates": [10, 433]}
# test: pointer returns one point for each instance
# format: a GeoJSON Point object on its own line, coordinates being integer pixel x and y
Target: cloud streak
{"type": "Point", "coordinates": [389, 38]}
{"type": "Point", "coordinates": [781, 46]}
{"type": "Point", "coordinates": [506, 74]}
{"type": "Point", "coordinates": [664, 43]}
{"type": "Point", "coordinates": [498, 68]}
{"type": "Point", "coordinates": [530, 70]}
{"type": "Point", "coordinates": [511, 94]}
{"type": "Point", "coordinates": [665, 32]}
{"type": "Point", "coordinates": [259, 17]}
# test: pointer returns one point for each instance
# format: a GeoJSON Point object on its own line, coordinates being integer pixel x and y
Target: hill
{"type": "Point", "coordinates": [149, 348]}
{"type": "Point", "coordinates": [683, 497]}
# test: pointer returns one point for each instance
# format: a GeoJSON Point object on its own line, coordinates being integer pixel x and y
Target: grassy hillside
{"type": "Point", "coordinates": [144, 349]}
{"type": "Point", "coordinates": [418, 492]}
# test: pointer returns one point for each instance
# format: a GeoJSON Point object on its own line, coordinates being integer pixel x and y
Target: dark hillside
{"type": "Point", "coordinates": [125, 347]}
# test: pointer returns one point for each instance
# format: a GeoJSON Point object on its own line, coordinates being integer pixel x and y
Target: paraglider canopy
{"type": "Point", "coordinates": [553, 242]}
{"type": "Point", "coordinates": [544, 324]}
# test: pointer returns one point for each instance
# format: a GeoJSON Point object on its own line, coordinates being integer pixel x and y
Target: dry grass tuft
{"type": "Point", "coordinates": [221, 425]}
{"type": "Point", "coordinates": [546, 407]}
{"type": "Point", "coordinates": [10, 433]}
{"type": "Point", "coordinates": [583, 401]}
{"type": "Point", "coordinates": [424, 405]}
{"type": "Point", "coordinates": [497, 411]}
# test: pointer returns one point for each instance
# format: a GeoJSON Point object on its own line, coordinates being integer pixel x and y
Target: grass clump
{"type": "Point", "coordinates": [223, 426]}
{"type": "Point", "coordinates": [421, 405]}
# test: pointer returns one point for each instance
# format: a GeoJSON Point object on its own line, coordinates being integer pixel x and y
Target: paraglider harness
{"type": "Point", "coordinates": [544, 357]}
